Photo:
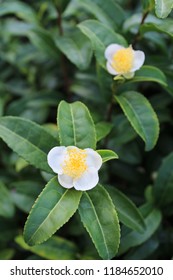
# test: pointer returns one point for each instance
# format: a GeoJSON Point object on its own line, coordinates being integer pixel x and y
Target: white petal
{"type": "Point", "coordinates": [111, 50]}
{"type": "Point", "coordinates": [93, 159]}
{"type": "Point", "coordinates": [139, 58]}
{"type": "Point", "coordinates": [111, 69]}
{"type": "Point", "coordinates": [87, 181]}
{"type": "Point", "coordinates": [56, 157]}
{"type": "Point", "coordinates": [65, 181]}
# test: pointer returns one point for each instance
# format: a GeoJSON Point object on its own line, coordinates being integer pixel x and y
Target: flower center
{"type": "Point", "coordinates": [75, 163]}
{"type": "Point", "coordinates": [123, 60]}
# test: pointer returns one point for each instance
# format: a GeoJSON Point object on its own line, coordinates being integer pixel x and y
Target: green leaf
{"type": "Point", "coordinates": [122, 131]}
{"type": "Point", "coordinates": [133, 238]}
{"type": "Point", "coordinates": [163, 8]}
{"type": "Point", "coordinates": [102, 129]}
{"type": "Point", "coordinates": [61, 4]}
{"type": "Point", "coordinates": [101, 36]}
{"type": "Point", "coordinates": [77, 48]}
{"type": "Point", "coordinates": [56, 248]}
{"type": "Point", "coordinates": [100, 220]}
{"type": "Point", "coordinates": [104, 80]}
{"type": "Point", "coordinates": [28, 139]}
{"type": "Point", "coordinates": [150, 74]}
{"type": "Point", "coordinates": [75, 125]}
{"type": "Point", "coordinates": [6, 204]}
{"type": "Point", "coordinates": [43, 40]}
{"type": "Point", "coordinates": [141, 115]}
{"type": "Point", "coordinates": [144, 251]}
{"type": "Point", "coordinates": [24, 194]}
{"type": "Point", "coordinates": [128, 213]}
{"type": "Point", "coordinates": [7, 254]}
{"type": "Point", "coordinates": [158, 26]}
{"type": "Point", "coordinates": [148, 5]}
{"type": "Point", "coordinates": [107, 155]}
{"type": "Point", "coordinates": [4, 98]}
{"type": "Point", "coordinates": [163, 186]}
{"type": "Point", "coordinates": [129, 152]}
{"type": "Point", "coordinates": [108, 12]}
{"type": "Point", "coordinates": [20, 9]}
{"type": "Point", "coordinates": [53, 208]}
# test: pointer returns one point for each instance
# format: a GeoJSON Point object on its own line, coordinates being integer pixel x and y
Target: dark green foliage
{"type": "Point", "coordinates": [55, 90]}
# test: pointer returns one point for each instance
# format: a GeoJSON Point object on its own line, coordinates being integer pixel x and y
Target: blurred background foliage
{"type": "Point", "coordinates": [44, 58]}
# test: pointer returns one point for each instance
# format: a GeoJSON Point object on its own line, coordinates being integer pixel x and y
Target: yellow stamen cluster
{"type": "Point", "coordinates": [123, 60]}
{"type": "Point", "coordinates": [75, 163]}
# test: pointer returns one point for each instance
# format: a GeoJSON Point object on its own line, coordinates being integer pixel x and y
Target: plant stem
{"type": "Point", "coordinates": [137, 36]}
{"type": "Point", "coordinates": [66, 80]}
{"type": "Point", "coordinates": [112, 102]}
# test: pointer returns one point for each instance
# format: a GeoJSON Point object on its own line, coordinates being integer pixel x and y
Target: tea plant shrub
{"type": "Point", "coordinates": [86, 129]}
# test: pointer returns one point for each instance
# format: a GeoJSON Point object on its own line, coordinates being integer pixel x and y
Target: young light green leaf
{"type": "Point", "coordinates": [133, 238]}
{"type": "Point", "coordinates": [163, 8]}
{"type": "Point", "coordinates": [6, 204]}
{"type": "Point", "coordinates": [163, 186]}
{"type": "Point", "coordinates": [102, 129]}
{"type": "Point", "coordinates": [28, 139]}
{"type": "Point", "coordinates": [101, 36]}
{"type": "Point", "coordinates": [21, 9]}
{"type": "Point", "coordinates": [56, 248]}
{"type": "Point", "coordinates": [141, 115]}
{"type": "Point", "coordinates": [107, 155]}
{"type": "Point", "coordinates": [150, 74]}
{"type": "Point", "coordinates": [128, 213]}
{"type": "Point", "coordinates": [75, 125]}
{"type": "Point", "coordinates": [53, 208]}
{"type": "Point", "coordinates": [100, 219]}
{"type": "Point", "coordinates": [77, 48]}
{"type": "Point", "coordinates": [108, 12]}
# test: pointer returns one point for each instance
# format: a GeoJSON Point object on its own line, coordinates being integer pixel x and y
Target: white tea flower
{"type": "Point", "coordinates": [75, 167]}
{"type": "Point", "coordinates": [123, 61]}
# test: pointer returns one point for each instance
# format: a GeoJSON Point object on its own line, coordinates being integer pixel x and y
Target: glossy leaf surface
{"type": "Point", "coordinates": [99, 217]}
{"type": "Point", "coordinates": [52, 209]}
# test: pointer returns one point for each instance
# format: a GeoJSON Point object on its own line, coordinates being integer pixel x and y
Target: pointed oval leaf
{"type": "Point", "coordinates": [77, 48]}
{"type": "Point", "coordinates": [53, 208]}
{"type": "Point", "coordinates": [19, 8]}
{"type": "Point", "coordinates": [163, 8]}
{"type": "Point", "coordinates": [108, 12]}
{"type": "Point", "coordinates": [43, 40]}
{"type": "Point", "coordinates": [28, 139]}
{"type": "Point", "coordinates": [163, 186]}
{"type": "Point", "coordinates": [128, 213]}
{"type": "Point", "coordinates": [103, 129]}
{"type": "Point", "coordinates": [150, 74]}
{"type": "Point", "coordinates": [100, 219]}
{"type": "Point", "coordinates": [133, 238]}
{"type": "Point", "coordinates": [101, 36]}
{"type": "Point", "coordinates": [75, 125]}
{"type": "Point", "coordinates": [107, 155]}
{"type": "Point", "coordinates": [158, 26]}
{"type": "Point", "coordinates": [24, 194]}
{"type": "Point", "coordinates": [56, 248]}
{"type": "Point", "coordinates": [141, 115]}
